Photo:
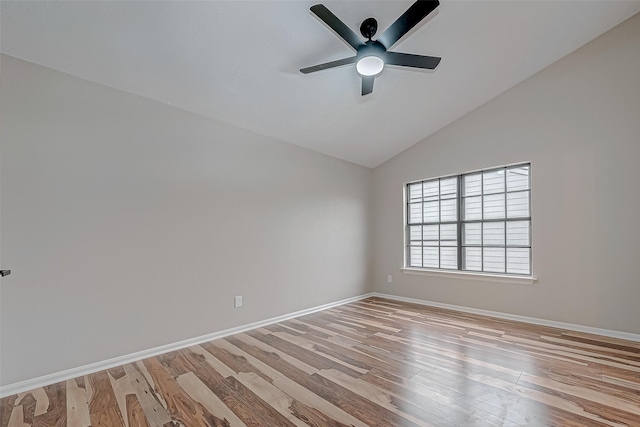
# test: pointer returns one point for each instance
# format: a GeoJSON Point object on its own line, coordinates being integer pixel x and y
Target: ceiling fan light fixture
{"type": "Point", "coordinates": [371, 55]}
{"type": "Point", "coordinates": [370, 65]}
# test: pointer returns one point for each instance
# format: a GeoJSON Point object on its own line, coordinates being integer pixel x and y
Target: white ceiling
{"type": "Point", "coordinates": [238, 61]}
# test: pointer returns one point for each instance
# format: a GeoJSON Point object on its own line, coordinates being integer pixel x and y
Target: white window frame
{"type": "Point", "coordinates": [459, 272]}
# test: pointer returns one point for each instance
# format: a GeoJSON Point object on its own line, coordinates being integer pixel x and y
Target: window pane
{"type": "Point", "coordinates": [430, 232]}
{"type": "Point", "coordinates": [493, 233]}
{"type": "Point", "coordinates": [448, 186]}
{"type": "Point", "coordinates": [448, 232]}
{"type": "Point", "coordinates": [472, 259]}
{"type": "Point", "coordinates": [518, 233]}
{"type": "Point", "coordinates": [472, 185]}
{"type": "Point", "coordinates": [431, 211]}
{"type": "Point", "coordinates": [448, 235]}
{"type": "Point", "coordinates": [494, 206]}
{"type": "Point", "coordinates": [449, 258]}
{"type": "Point", "coordinates": [518, 178]}
{"type": "Point", "coordinates": [472, 208]}
{"type": "Point", "coordinates": [518, 204]}
{"type": "Point", "coordinates": [415, 232]}
{"type": "Point", "coordinates": [518, 261]}
{"type": "Point", "coordinates": [415, 192]}
{"type": "Point", "coordinates": [415, 256]}
{"type": "Point", "coordinates": [449, 211]}
{"type": "Point", "coordinates": [493, 181]}
{"type": "Point", "coordinates": [415, 213]}
{"type": "Point", "coordinates": [471, 234]}
{"type": "Point", "coordinates": [493, 259]}
{"type": "Point", "coordinates": [430, 257]}
{"type": "Point", "coordinates": [431, 190]}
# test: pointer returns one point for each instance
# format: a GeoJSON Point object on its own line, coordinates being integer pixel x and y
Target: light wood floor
{"type": "Point", "coordinates": [371, 363]}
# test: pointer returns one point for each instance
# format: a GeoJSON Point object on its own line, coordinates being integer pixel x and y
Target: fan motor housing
{"type": "Point", "coordinates": [370, 48]}
{"type": "Point", "coordinates": [368, 28]}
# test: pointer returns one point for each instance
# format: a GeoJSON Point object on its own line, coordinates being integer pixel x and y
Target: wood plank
{"type": "Point", "coordinates": [255, 363]}
{"type": "Point", "coordinates": [180, 406]}
{"type": "Point", "coordinates": [99, 392]}
{"type": "Point", "coordinates": [621, 382]}
{"type": "Point", "coordinates": [155, 413]}
{"type": "Point", "coordinates": [42, 401]}
{"type": "Point", "coordinates": [6, 409]}
{"type": "Point", "coordinates": [56, 413]}
{"type": "Point", "coordinates": [135, 413]}
{"type": "Point", "coordinates": [28, 403]}
{"type": "Point", "coordinates": [16, 417]}
{"type": "Point", "coordinates": [237, 363]}
{"type": "Point", "coordinates": [121, 389]}
{"type": "Point", "coordinates": [314, 405]}
{"type": "Point", "coordinates": [110, 417]}
{"type": "Point", "coordinates": [77, 403]}
{"type": "Point", "coordinates": [277, 399]}
{"type": "Point", "coordinates": [248, 406]}
{"type": "Point", "coordinates": [128, 403]}
{"type": "Point", "coordinates": [200, 393]}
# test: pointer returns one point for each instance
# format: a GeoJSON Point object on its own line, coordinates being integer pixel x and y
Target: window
{"type": "Point", "coordinates": [479, 221]}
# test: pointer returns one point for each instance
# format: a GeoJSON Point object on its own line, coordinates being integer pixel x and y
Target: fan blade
{"type": "Point", "coordinates": [337, 25]}
{"type": "Point", "coordinates": [367, 85]}
{"type": "Point", "coordinates": [326, 65]}
{"type": "Point", "coordinates": [410, 60]}
{"type": "Point", "coordinates": [416, 13]}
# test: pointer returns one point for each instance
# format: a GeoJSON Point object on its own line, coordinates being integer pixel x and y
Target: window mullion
{"type": "Point", "coordinates": [407, 228]}
{"type": "Point", "coordinates": [482, 221]}
{"type": "Point", "coordinates": [422, 229]}
{"type": "Point", "coordinates": [504, 182]}
{"type": "Point", "coordinates": [459, 224]}
{"type": "Point", "coordinates": [505, 237]}
{"type": "Point", "coordinates": [422, 222]}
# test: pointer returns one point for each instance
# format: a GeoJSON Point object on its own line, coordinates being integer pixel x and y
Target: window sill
{"type": "Point", "coordinates": [466, 275]}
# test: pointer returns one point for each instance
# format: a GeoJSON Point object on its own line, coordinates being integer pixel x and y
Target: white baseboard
{"type": "Point", "coordinates": [534, 320]}
{"type": "Point", "coordinates": [68, 374]}
{"type": "Point", "coordinates": [56, 377]}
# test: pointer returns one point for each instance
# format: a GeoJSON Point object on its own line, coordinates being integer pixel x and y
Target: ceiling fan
{"type": "Point", "coordinates": [372, 55]}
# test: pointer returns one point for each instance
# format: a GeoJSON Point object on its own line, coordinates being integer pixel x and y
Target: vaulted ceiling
{"type": "Point", "coordinates": [239, 61]}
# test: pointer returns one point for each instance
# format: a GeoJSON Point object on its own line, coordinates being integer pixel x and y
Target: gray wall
{"type": "Point", "coordinates": [578, 122]}
{"type": "Point", "coordinates": [129, 224]}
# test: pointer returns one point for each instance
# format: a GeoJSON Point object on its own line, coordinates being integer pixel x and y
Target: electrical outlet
{"type": "Point", "coordinates": [237, 301]}
{"type": "Point", "coordinates": [389, 278]}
